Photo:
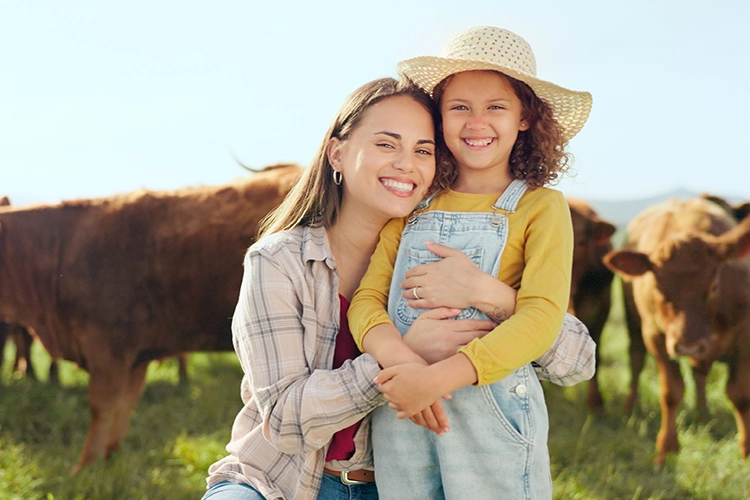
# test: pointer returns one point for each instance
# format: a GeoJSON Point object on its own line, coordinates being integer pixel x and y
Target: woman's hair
{"type": "Point", "coordinates": [538, 156]}
{"type": "Point", "coordinates": [315, 199]}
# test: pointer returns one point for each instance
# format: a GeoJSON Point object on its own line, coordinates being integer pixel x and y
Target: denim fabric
{"type": "Point", "coordinates": [232, 491]}
{"type": "Point", "coordinates": [331, 488]}
{"type": "Point", "coordinates": [497, 444]}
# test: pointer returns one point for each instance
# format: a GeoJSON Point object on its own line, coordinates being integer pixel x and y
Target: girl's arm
{"type": "Point", "coordinates": [544, 262]}
{"type": "Point", "coordinates": [372, 329]}
{"type": "Point", "coordinates": [302, 407]}
{"type": "Point", "coordinates": [455, 281]}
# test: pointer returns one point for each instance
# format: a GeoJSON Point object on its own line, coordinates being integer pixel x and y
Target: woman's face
{"type": "Point", "coordinates": [481, 119]}
{"type": "Point", "coordinates": [388, 161]}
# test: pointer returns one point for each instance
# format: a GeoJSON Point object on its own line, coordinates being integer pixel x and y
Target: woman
{"type": "Point", "coordinates": [304, 430]}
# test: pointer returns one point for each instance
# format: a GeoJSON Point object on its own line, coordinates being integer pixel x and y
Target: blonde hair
{"type": "Point", "coordinates": [315, 200]}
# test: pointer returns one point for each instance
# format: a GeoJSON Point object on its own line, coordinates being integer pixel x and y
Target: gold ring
{"type": "Point", "coordinates": [414, 291]}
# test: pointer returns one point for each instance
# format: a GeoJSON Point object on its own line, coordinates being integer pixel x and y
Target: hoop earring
{"type": "Point", "coordinates": [337, 177]}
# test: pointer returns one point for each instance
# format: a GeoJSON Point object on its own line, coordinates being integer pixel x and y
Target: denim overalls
{"type": "Point", "coordinates": [497, 445]}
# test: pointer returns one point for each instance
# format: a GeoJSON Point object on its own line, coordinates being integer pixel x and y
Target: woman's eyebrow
{"type": "Point", "coordinates": [398, 137]}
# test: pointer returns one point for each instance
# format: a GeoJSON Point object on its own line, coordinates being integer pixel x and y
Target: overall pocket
{"type": "Point", "coordinates": [407, 314]}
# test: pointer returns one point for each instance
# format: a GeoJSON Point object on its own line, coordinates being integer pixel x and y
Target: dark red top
{"type": "Point", "coordinates": [342, 444]}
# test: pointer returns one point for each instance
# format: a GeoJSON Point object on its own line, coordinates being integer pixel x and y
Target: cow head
{"type": "Point", "coordinates": [699, 289]}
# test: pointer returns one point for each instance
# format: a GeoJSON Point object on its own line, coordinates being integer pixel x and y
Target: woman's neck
{"type": "Point", "coordinates": [353, 240]}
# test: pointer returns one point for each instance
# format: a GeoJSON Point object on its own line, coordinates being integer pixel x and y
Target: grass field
{"type": "Point", "coordinates": [178, 431]}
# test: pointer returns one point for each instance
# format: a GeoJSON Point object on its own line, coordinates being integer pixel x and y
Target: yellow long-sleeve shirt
{"type": "Point", "coordinates": [537, 261]}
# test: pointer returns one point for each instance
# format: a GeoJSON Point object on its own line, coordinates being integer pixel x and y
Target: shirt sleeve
{"type": "Point", "coordinates": [301, 407]}
{"type": "Point", "coordinates": [572, 358]}
{"type": "Point", "coordinates": [542, 298]}
{"type": "Point", "coordinates": [369, 306]}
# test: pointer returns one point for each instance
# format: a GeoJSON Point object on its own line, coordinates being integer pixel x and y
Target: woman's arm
{"type": "Point", "coordinates": [302, 407]}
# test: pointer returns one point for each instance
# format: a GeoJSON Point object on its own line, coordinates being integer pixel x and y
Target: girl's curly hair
{"type": "Point", "coordinates": [538, 156]}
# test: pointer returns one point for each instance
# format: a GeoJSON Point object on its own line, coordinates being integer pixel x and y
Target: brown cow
{"type": "Point", "coordinates": [591, 280]}
{"type": "Point", "coordinates": [114, 283]}
{"type": "Point", "coordinates": [690, 274]}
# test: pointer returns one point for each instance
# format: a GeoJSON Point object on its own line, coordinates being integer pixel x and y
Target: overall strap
{"type": "Point", "coordinates": [423, 205]}
{"type": "Point", "coordinates": [508, 201]}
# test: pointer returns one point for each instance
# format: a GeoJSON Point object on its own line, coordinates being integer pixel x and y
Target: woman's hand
{"type": "Point", "coordinates": [455, 281]}
{"type": "Point", "coordinates": [407, 388]}
{"type": "Point", "coordinates": [435, 339]}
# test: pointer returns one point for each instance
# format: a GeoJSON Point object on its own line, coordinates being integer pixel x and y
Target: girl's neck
{"type": "Point", "coordinates": [353, 240]}
{"type": "Point", "coordinates": [484, 181]}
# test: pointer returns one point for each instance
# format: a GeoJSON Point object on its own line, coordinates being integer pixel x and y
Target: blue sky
{"type": "Point", "coordinates": [98, 98]}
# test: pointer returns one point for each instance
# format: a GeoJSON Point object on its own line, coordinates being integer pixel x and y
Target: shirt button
{"type": "Point", "coordinates": [520, 389]}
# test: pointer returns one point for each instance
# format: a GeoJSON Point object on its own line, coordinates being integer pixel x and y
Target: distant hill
{"type": "Point", "coordinates": [621, 212]}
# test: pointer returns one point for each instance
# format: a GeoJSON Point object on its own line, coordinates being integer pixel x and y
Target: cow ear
{"type": "Point", "coordinates": [603, 231]}
{"type": "Point", "coordinates": [741, 210]}
{"type": "Point", "coordinates": [735, 243]}
{"type": "Point", "coordinates": [628, 263]}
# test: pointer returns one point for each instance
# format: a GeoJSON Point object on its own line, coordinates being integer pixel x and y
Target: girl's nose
{"type": "Point", "coordinates": [476, 121]}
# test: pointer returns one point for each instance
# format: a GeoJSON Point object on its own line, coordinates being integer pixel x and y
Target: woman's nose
{"type": "Point", "coordinates": [404, 162]}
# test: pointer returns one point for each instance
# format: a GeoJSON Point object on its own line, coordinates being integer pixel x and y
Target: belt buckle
{"type": "Point", "coordinates": [349, 482]}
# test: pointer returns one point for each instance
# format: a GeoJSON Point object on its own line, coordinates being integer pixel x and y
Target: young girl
{"type": "Point", "coordinates": [506, 131]}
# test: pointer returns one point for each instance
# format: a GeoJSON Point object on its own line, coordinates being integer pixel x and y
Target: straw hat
{"type": "Point", "coordinates": [490, 48]}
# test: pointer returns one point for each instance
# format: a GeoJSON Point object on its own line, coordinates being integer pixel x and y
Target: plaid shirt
{"type": "Point", "coordinates": [284, 331]}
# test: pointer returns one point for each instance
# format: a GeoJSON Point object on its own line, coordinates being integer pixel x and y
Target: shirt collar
{"type": "Point", "coordinates": [315, 246]}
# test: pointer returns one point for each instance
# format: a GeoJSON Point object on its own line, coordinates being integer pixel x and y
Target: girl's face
{"type": "Point", "coordinates": [388, 161]}
{"type": "Point", "coordinates": [481, 119]}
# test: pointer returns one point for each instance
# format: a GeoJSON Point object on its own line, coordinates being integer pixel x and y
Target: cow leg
{"type": "Point", "coordinates": [671, 392]}
{"type": "Point", "coordinates": [3, 338]}
{"type": "Point", "coordinates": [23, 365]}
{"type": "Point", "coordinates": [125, 406]}
{"type": "Point", "coordinates": [738, 392]}
{"type": "Point", "coordinates": [700, 375]}
{"type": "Point", "coordinates": [183, 374]}
{"type": "Point", "coordinates": [593, 312]}
{"type": "Point", "coordinates": [636, 349]}
{"type": "Point", "coordinates": [54, 372]}
{"type": "Point", "coordinates": [106, 387]}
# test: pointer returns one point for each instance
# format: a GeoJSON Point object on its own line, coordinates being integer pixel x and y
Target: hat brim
{"type": "Point", "coordinates": [570, 108]}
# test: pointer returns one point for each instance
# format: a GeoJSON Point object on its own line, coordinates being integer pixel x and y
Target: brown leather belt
{"type": "Point", "coordinates": [350, 477]}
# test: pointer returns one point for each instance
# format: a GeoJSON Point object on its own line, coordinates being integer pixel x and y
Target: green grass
{"type": "Point", "coordinates": [178, 431]}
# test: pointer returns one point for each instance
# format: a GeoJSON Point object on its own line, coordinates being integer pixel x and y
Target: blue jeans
{"type": "Point", "coordinates": [232, 491]}
{"type": "Point", "coordinates": [331, 488]}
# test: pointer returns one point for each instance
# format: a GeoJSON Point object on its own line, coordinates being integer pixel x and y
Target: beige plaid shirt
{"type": "Point", "coordinates": [284, 331]}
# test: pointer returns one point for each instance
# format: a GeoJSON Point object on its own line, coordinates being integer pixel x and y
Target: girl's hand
{"type": "Point", "coordinates": [407, 388]}
{"type": "Point", "coordinates": [435, 339]}
{"type": "Point", "coordinates": [433, 418]}
{"type": "Point", "coordinates": [455, 281]}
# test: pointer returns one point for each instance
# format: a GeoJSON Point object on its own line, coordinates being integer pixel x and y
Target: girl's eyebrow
{"type": "Point", "coordinates": [494, 99]}
{"type": "Point", "coordinates": [398, 137]}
